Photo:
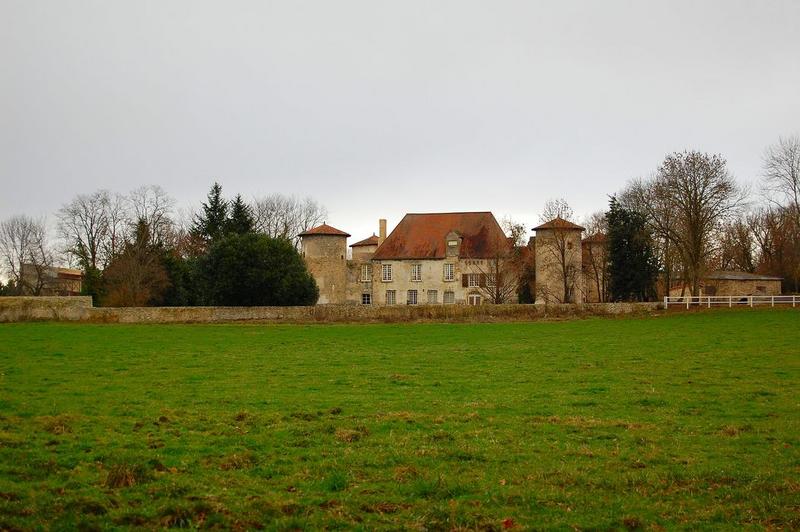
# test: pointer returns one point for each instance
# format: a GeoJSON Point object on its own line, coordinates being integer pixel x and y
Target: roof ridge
{"type": "Point", "coordinates": [446, 212]}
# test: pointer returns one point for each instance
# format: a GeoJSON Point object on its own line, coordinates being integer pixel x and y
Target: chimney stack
{"type": "Point", "coordinates": [381, 231]}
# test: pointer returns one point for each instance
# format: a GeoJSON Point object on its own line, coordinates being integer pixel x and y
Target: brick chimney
{"type": "Point", "coordinates": [381, 231]}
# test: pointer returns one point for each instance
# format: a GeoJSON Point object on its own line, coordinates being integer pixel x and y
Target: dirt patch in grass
{"type": "Point", "coordinates": [632, 523]}
{"type": "Point", "coordinates": [733, 431]}
{"type": "Point", "coordinates": [588, 422]}
{"type": "Point", "coordinates": [306, 416]}
{"type": "Point", "coordinates": [351, 435]}
{"type": "Point", "coordinates": [408, 417]}
{"type": "Point", "coordinates": [235, 461]}
{"type": "Point", "coordinates": [60, 424]}
{"type": "Point", "coordinates": [87, 507]}
{"type": "Point", "coordinates": [184, 516]}
{"type": "Point", "coordinates": [125, 475]}
{"type": "Point", "coordinates": [405, 473]}
{"type": "Point", "coordinates": [384, 507]}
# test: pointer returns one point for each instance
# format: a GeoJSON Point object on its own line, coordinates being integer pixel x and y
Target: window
{"type": "Point", "coordinates": [449, 272]}
{"type": "Point", "coordinates": [473, 280]}
{"type": "Point", "coordinates": [452, 243]}
{"type": "Point", "coordinates": [386, 272]}
{"type": "Point", "coordinates": [412, 297]}
{"type": "Point", "coordinates": [433, 297]}
{"type": "Point", "coordinates": [474, 299]}
{"type": "Point", "coordinates": [490, 280]}
{"type": "Point", "coordinates": [416, 272]}
{"type": "Point", "coordinates": [366, 272]}
{"type": "Point", "coordinates": [390, 297]}
{"type": "Point", "coordinates": [449, 297]}
{"type": "Point", "coordinates": [366, 298]}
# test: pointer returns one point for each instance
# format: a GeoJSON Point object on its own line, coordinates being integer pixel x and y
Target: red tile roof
{"type": "Point", "coordinates": [559, 223]}
{"type": "Point", "coordinates": [324, 229]}
{"type": "Point", "coordinates": [723, 275]}
{"type": "Point", "coordinates": [597, 238]}
{"type": "Point", "coordinates": [371, 241]}
{"type": "Point", "coordinates": [422, 236]}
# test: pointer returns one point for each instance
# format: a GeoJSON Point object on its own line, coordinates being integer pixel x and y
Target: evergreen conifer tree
{"type": "Point", "coordinates": [211, 224]}
{"type": "Point", "coordinates": [633, 267]}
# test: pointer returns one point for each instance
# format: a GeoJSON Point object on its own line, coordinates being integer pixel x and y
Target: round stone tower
{"type": "Point", "coordinates": [324, 248]}
{"type": "Point", "coordinates": [559, 272]}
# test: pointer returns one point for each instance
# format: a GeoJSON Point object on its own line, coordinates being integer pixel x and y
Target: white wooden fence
{"type": "Point", "coordinates": [730, 301]}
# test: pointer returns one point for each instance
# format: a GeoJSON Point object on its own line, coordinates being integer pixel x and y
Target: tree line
{"type": "Point", "coordinates": [133, 251]}
{"type": "Point", "coordinates": [690, 217]}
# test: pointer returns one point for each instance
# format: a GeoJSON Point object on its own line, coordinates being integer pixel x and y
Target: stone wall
{"type": "Point", "coordinates": [31, 308]}
{"type": "Point", "coordinates": [16, 309]}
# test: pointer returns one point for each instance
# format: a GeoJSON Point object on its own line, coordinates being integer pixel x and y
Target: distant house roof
{"type": "Point", "coordinates": [323, 229]}
{"type": "Point", "coordinates": [371, 241]}
{"type": "Point", "coordinates": [722, 275]}
{"type": "Point", "coordinates": [423, 236]}
{"type": "Point", "coordinates": [559, 223]}
{"type": "Point", "coordinates": [597, 238]}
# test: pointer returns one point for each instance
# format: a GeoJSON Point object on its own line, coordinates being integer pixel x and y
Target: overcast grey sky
{"type": "Point", "coordinates": [380, 108]}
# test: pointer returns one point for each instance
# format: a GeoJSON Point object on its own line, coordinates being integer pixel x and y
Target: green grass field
{"type": "Point", "coordinates": [667, 421]}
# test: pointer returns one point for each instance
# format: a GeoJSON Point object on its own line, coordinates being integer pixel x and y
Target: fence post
{"type": "Point", "coordinates": [751, 301]}
{"type": "Point", "coordinates": [773, 301]}
{"type": "Point", "coordinates": [687, 303]}
{"type": "Point", "coordinates": [730, 301]}
{"type": "Point", "coordinates": [709, 301]}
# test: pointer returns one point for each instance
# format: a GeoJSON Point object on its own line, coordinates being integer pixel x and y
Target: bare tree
{"type": "Point", "coordinates": [153, 206]}
{"type": "Point", "coordinates": [652, 199]}
{"type": "Point", "coordinates": [515, 230]}
{"type": "Point", "coordinates": [559, 240]}
{"type": "Point", "coordinates": [556, 208]}
{"type": "Point", "coordinates": [595, 255]}
{"type": "Point", "coordinates": [735, 249]}
{"type": "Point", "coordinates": [699, 188]}
{"type": "Point", "coordinates": [777, 244]}
{"type": "Point", "coordinates": [280, 216]}
{"type": "Point", "coordinates": [782, 171]}
{"type": "Point", "coordinates": [782, 184]}
{"type": "Point", "coordinates": [25, 253]}
{"type": "Point", "coordinates": [136, 276]}
{"type": "Point", "coordinates": [119, 226]}
{"type": "Point", "coordinates": [90, 226]}
{"type": "Point", "coordinates": [501, 274]}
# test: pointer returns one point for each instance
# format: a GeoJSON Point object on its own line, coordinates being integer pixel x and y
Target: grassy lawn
{"type": "Point", "coordinates": [668, 421]}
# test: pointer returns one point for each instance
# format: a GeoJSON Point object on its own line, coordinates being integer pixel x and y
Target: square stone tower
{"type": "Point", "coordinates": [324, 248]}
{"type": "Point", "coordinates": [559, 273]}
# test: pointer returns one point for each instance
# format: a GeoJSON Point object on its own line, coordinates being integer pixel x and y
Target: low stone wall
{"type": "Point", "coordinates": [55, 308]}
{"type": "Point", "coordinates": [16, 309]}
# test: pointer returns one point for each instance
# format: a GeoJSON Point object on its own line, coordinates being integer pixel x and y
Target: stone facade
{"type": "Point", "coordinates": [595, 271]}
{"type": "Point", "coordinates": [53, 281]}
{"type": "Point", "coordinates": [455, 258]}
{"type": "Point", "coordinates": [723, 283]}
{"type": "Point", "coordinates": [559, 263]}
{"type": "Point", "coordinates": [436, 259]}
{"type": "Point", "coordinates": [325, 254]}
